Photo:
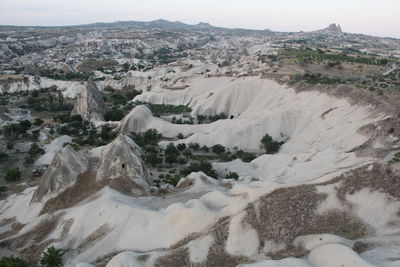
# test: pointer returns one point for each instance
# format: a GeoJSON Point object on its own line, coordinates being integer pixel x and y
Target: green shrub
{"type": "Point", "coordinates": [269, 145]}
{"type": "Point", "coordinates": [203, 166]}
{"type": "Point", "coordinates": [194, 146]}
{"type": "Point", "coordinates": [38, 122]}
{"type": "Point", "coordinates": [13, 175]}
{"type": "Point", "coordinates": [232, 175]}
{"type": "Point", "coordinates": [218, 149]}
{"type": "Point", "coordinates": [150, 137]}
{"type": "Point", "coordinates": [3, 156]}
{"type": "Point", "coordinates": [181, 146]}
{"type": "Point", "coordinates": [52, 257]}
{"type": "Point", "coordinates": [12, 262]}
{"type": "Point", "coordinates": [114, 114]}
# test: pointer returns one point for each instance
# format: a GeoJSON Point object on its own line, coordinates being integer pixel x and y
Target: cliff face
{"type": "Point", "coordinates": [90, 104]}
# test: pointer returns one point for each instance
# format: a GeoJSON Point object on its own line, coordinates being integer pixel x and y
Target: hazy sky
{"type": "Point", "coordinates": [375, 17]}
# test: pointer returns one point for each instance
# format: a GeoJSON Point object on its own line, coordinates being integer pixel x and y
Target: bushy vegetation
{"type": "Point", "coordinates": [202, 166]}
{"type": "Point", "coordinates": [70, 76]}
{"type": "Point", "coordinates": [33, 153]}
{"type": "Point", "coordinates": [84, 132]}
{"type": "Point", "coordinates": [395, 159]}
{"type": "Point", "coordinates": [211, 118]}
{"type": "Point", "coordinates": [321, 56]}
{"type": "Point", "coordinates": [269, 145]}
{"type": "Point", "coordinates": [12, 262]}
{"type": "Point", "coordinates": [150, 137]}
{"type": "Point", "coordinates": [15, 131]}
{"type": "Point", "coordinates": [171, 154]}
{"type": "Point", "coordinates": [52, 257]}
{"type": "Point", "coordinates": [114, 114]}
{"type": "Point", "coordinates": [3, 156]}
{"type": "Point", "coordinates": [13, 175]}
{"type": "Point", "coordinates": [165, 109]}
{"type": "Point", "coordinates": [232, 175]}
{"type": "Point", "coordinates": [318, 78]}
{"type": "Point", "coordinates": [48, 100]}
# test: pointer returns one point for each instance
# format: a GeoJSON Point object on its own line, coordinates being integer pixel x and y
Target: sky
{"type": "Point", "coordinates": [373, 17]}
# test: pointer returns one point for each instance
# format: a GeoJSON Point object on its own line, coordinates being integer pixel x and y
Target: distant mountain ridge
{"type": "Point", "coordinates": [333, 29]}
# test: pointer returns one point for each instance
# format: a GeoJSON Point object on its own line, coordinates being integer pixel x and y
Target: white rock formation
{"type": "Point", "coordinates": [136, 119]}
{"type": "Point", "coordinates": [90, 104]}
{"type": "Point", "coordinates": [121, 159]}
{"type": "Point", "coordinates": [67, 164]}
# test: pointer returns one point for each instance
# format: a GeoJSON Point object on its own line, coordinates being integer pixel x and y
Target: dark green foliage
{"type": "Point", "coordinates": [52, 257]}
{"type": "Point", "coordinates": [164, 109]}
{"type": "Point", "coordinates": [38, 122]}
{"type": "Point", "coordinates": [205, 149]}
{"type": "Point", "coordinates": [180, 136]}
{"type": "Point", "coordinates": [315, 56]}
{"type": "Point", "coordinates": [194, 146]}
{"type": "Point", "coordinates": [171, 154]}
{"type": "Point", "coordinates": [15, 130]}
{"type": "Point", "coordinates": [150, 137]}
{"type": "Point", "coordinates": [203, 166]}
{"type": "Point", "coordinates": [245, 156]}
{"type": "Point", "coordinates": [12, 175]}
{"type": "Point", "coordinates": [181, 146]}
{"type": "Point", "coordinates": [152, 158]}
{"type": "Point", "coordinates": [173, 180]}
{"type": "Point", "coordinates": [3, 190]}
{"type": "Point", "coordinates": [3, 156]}
{"type": "Point", "coordinates": [395, 159]}
{"type": "Point", "coordinates": [187, 153]}
{"type": "Point", "coordinates": [35, 93]}
{"type": "Point", "coordinates": [269, 145]}
{"type": "Point", "coordinates": [114, 114]}
{"type": "Point", "coordinates": [52, 74]}
{"type": "Point", "coordinates": [203, 118]}
{"type": "Point", "coordinates": [232, 175]}
{"type": "Point", "coordinates": [218, 149]}
{"type": "Point", "coordinates": [49, 101]}
{"type": "Point", "coordinates": [182, 160]}
{"type": "Point", "coordinates": [318, 78]}
{"type": "Point", "coordinates": [12, 262]}
{"type": "Point", "coordinates": [33, 152]}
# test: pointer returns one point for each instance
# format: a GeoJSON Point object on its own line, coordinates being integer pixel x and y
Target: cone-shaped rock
{"type": "Point", "coordinates": [62, 173]}
{"type": "Point", "coordinates": [135, 120]}
{"type": "Point", "coordinates": [120, 160]}
{"type": "Point", "coordinates": [90, 104]}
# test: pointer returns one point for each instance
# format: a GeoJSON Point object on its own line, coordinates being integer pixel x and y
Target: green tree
{"type": "Point", "coordinates": [12, 262]}
{"type": "Point", "coordinates": [13, 175]}
{"type": "Point", "coordinates": [171, 154]}
{"type": "Point", "coordinates": [52, 257]}
{"type": "Point", "coordinates": [218, 149]}
{"type": "Point", "coordinates": [114, 114]}
{"type": "Point", "coordinates": [232, 175]}
{"type": "Point", "coordinates": [269, 145]}
{"type": "Point", "coordinates": [181, 146]}
{"type": "Point", "coordinates": [38, 122]}
{"type": "Point", "coordinates": [203, 166]}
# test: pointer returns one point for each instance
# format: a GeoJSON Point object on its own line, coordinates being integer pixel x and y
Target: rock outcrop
{"type": "Point", "coordinates": [135, 120]}
{"type": "Point", "coordinates": [121, 163]}
{"type": "Point", "coordinates": [90, 104]}
{"type": "Point", "coordinates": [333, 28]}
{"type": "Point", "coordinates": [67, 164]}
